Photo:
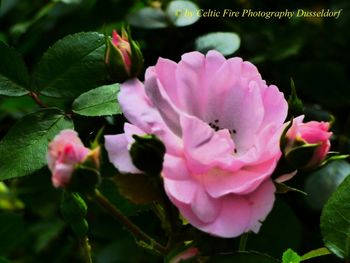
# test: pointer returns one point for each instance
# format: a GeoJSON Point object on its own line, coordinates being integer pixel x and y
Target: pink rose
{"type": "Point", "coordinates": [312, 132]}
{"type": "Point", "coordinates": [65, 152]}
{"type": "Point", "coordinates": [221, 126]}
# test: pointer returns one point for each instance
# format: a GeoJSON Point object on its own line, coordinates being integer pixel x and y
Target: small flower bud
{"type": "Point", "coordinates": [65, 152]}
{"type": "Point", "coordinates": [307, 144]}
{"type": "Point", "coordinates": [123, 57]}
{"type": "Point", "coordinates": [147, 153]}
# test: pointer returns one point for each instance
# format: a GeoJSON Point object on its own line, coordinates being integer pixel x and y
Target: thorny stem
{"type": "Point", "coordinates": [37, 100]}
{"type": "Point", "coordinates": [243, 242]}
{"type": "Point", "coordinates": [86, 249]}
{"type": "Point", "coordinates": [135, 230]}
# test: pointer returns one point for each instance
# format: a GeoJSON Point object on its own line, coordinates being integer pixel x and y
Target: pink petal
{"type": "Point", "coordinates": [175, 168]}
{"type": "Point", "coordinates": [203, 147]}
{"type": "Point", "coordinates": [62, 174]}
{"type": "Point", "coordinates": [118, 154]}
{"type": "Point", "coordinates": [220, 183]}
{"type": "Point", "coordinates": [182, 190]}
{"type": "Point", "coordinates": [261, 202]}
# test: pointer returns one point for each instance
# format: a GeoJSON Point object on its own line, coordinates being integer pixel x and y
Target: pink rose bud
{"type": "Point", "coordinates": [65, 152]}
{"type": "Point", "coordinates": [185, 255]}
{"type": "Point", "coordinates": [123, 57]}
{"type": "Point", "coordinates": [307, 143]}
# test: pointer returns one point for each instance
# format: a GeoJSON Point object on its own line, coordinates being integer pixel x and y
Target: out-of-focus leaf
{"type": "Point", "coordinates": [182, 13]}
{"type": "Point", "coordinates": [11, 231]}
{"type": "Point", "coordinates": [4, 260]}
{"type": "Point", "coordinates": [8, 200]}
{"type": "Point", "coordinates": [243, 257]}
{"type": "Point", "coordinates": [14, 77]}
{"type": "Point", "coordinates": [101, 101]}
{"type": "Point", "coordinates": [72, 66]}
{"type": "Point", "coordinates": [138, 188]}
{"type": "Point", "coordinates": [148, 17]}
{"type": "Point", "coordinates": [23, 149]}
{"type": "Point", "coordinates": [289, 256]}
{"type": "Point", "coordinates": [6, 6]}
{"type": "Point", "coordinates": [335, 221]}
{"type": "Point", "coordinates": [325, 83]}
{"type": "Point", "coordinates": [224, 42]}
{"type": "Point", "coordinates": [323, 182]}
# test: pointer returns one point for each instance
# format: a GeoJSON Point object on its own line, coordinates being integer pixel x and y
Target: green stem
{"type": "Point", "coordinates": [243, 242]}
{"type": "Point", "coordinates": [135, 230]}
{"type": "Point", "coordinates": [86, 249]}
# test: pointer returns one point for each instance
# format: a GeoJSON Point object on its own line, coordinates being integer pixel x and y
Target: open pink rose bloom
{"type": "Point", "coordinates": [65, 152]}
{"type": "Point", "coordinates": [221, 124]}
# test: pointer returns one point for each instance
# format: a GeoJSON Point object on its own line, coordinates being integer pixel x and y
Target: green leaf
{"type": "Point", "coordinates": [14, 77]}
{"type": "Point", "coordinates": [4, 260]}
{"type": "Point", "coordinates": [148, 17]}
{"type": "Point", "coordinates": [224, 42]}
{"type": "Point", "coordinates": [315, 253]}
{"type": "Point", "coordinates": [182, 13]}
{"type": "Point", "coordinates": [289, 256]}
{"type": "Point", "coordinates": [335, 221]}
{"type": "Point", "coordinates": [72, 66]}
{"type": "Point", "coordinates": [23, 149]}
{"type": "Point", "coordinates": [8, 201]}
{"type": "Point", "coordinates": [243, 257]}
{"type": "Point", "coordinates": [101, 101]}
{"type": "Point", "coordinates": [324, 181]}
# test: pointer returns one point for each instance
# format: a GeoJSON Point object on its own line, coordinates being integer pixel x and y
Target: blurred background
{"type": "Point", "coordinates": [312, 51]}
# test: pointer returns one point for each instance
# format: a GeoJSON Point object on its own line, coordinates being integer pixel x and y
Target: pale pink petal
{"type": "Point", "coordinates": [205, 207]}
{"type": "Point", "coordinates": [274, 99]}
{"type": "Point", "coordinates": [233, 218]}
{"type": "Point", "coordinates": [203, 147]}
{"type": "Point", "coordinates": [118, 154]}
{"type": "Point", "coordinates": [220, 183]}
{"type": "Point", "coordinates": [182, 190]}
{"type": "Point", "coordinates": [261, 202]}
{"type": "Point", "coordinates": [62, 174]}
{"type": "Point", "coordinates": [175, 168]}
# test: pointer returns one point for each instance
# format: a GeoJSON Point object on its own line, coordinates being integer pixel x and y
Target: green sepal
{"type": "Point", "coordinates": [300, 156]}
{"type": "Point", "coordinates": [295, 105]}
{"type": "Point", "coordinates": [147, 153]}
{"type": "Point", "coordinates": [73, 207]}
{"type": "Point", "coordinates": [115, 63]}
{"type": "Point", "coordinates": [84, 179]}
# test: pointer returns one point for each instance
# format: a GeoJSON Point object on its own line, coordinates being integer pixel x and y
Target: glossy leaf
{"type": "Point", "coordinates": [335, 221]}
{"type": "Point", "coordinates": [225, 42]}
{"type": "Point", "coordinates": [72, 66]}
{"type": "Point", "coordinates": [23, 149]}
{"type": "Point", "coordinates": [101, 101]}
{"type": "Point", "coordinates": [289, 256]}
{"type": "Point", "coordinates": [14, 78]}
{"type": "Point", "coordinates": [323, 182]}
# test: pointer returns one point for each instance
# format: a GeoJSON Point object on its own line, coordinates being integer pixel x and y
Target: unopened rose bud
{"type": "Point", "coordinates": [147, 153]}
{"type": "Point", "coordinates": [123, 57]}
{"type": "Point", "coordinates": [307, 144]}
{"type": "Point", "coordinates": [65, 152]}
